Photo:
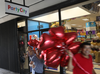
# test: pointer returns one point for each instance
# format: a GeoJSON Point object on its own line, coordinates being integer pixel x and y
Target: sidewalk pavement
{"type": "Point", "coordinates": [4, 71]}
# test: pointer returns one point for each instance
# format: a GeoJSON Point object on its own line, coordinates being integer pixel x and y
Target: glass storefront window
{"type": "Point", "coordinates": [33, 25]}
{"type": "Point", "coordinates": [33, 33]}
{"type": "Point", "coordinates": [72, 20]}
{"type": "Point", "coordinates": [44, 25]}
{"type": "Point", "coordinates": [46, 21]}
{"type": "Point", "coordinates": [47, 17]}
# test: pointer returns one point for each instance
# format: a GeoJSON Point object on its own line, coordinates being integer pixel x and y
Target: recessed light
{"type": "Point", "coordinates": [98, 4]}
{"type": "Point", "coordinates": [21, 24]}
{"type": "Point", "coordinates": [84, 27]}
{"type": "Point", "coordinates": [85, 19]}
{"type": "Point", "coordinates": [80, 26]}
{"type": "Point", "coordinates": [91, 21]}
{"type": "Point", "coordinates": [66, 14]}
{"type": "Point", "coordinates": [73, 24]}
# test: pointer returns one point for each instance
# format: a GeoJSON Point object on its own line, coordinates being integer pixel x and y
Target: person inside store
{"type": "Point", "coordinates": [39, 63]}
{"type": "Point", "coordinates": [84, 59]}
{"type": "Point", "coordinates": [31, 53]}
{"type": "Point", "coordinates": [22, 60]}
{"type": "Point", "coordinates": [36, 62]}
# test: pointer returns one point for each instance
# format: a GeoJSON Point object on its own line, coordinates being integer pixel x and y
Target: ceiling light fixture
{"type": "Point", "coordinates": [98, 4]}
{"type": "Point", "coordinates": [21, 24]}
{"type": "Point", "coordinates": [84, 27]}
{"type": "Point", "coordinates": [73, 24]}
{"type": "Point", "coordinates": [85, 19]}
{"type": "Point", "coordinates": [80, 26]}
{"type": "Point", "coordinates": [65, 14]}
{"type": "Point", "coordinates": [91, 21]}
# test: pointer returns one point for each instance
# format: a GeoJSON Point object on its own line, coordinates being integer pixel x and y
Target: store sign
{"type": "Point", "coordinates": [15, 9]}
{"type": "Point", "coordinates": [97, 18]}
{"type": "Point", "coordinates": [90, 32]}
{"type": "Point", "coordinates": [81, 33]}
{"type": "Point", "coordinates": [90, 27]}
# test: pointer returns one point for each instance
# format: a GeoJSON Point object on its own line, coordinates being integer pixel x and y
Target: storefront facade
{"type": "Point", "coordinates": [36, 25]}
{"type": "Point", "coordinates": [9, 46]}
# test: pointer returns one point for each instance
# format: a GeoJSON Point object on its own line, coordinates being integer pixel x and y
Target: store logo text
{"type": "Point", "coordinates": [17, 9]}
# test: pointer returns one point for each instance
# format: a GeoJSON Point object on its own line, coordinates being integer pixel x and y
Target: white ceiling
{"type": "Point", "coordinates": [80, 23]}
{"type": "Point", "coordinates": [41, 5]}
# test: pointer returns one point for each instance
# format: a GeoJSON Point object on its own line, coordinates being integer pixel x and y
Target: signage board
{"type": "Point", "coordinates": [97, 18]}
{"type": "Point", "coordinates": [16, 9]}
{"type": "Point", "coordinates": [90, 28]}
{"type": "Point", "coordinates": [90, 32]}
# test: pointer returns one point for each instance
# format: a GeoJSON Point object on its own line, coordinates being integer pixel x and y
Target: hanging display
{"type": "Point", "coordinates": [90, 28]}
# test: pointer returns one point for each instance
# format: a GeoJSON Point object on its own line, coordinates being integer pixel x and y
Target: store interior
{"type": "Point", "coordinates": [83, 20]}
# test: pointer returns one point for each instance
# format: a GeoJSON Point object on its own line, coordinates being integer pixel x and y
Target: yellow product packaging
{"type": "Point", "coordinates": [97, 57]}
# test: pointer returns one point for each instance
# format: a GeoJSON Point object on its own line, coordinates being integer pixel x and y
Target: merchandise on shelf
{"type": "Point", "coordinates": [95, 43]}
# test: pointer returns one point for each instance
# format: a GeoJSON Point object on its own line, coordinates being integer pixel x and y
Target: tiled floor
{"type": "Point", "coordinates": [96, 68]}
{"type": "Point", "coordinates": [3, 71]}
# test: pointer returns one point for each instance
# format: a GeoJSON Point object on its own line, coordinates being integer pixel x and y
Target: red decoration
{"type": "Point", "coordinates": [57, 32]}
{"type": "Point", "coordinates": [54, 63]}
{"type": "Point", "coordinates": [33, 48]}
{"type": "Point", "coordinates": [74, 47]}
{"type": "Point", "coordinates": [30, 37]}
{"type": "Point", "coordinates": [21, 43]}
{"type": "Point", "coordinates": [52, 54]}
{"type": "Point", "coordinates": [69, 37]}
{"type": "Point", "coordinates": [64, 60]}
{"type": "Point", "coordinates": [42, 55]}
{"type": "Point", "coordinates": [54, 47]}
{"type": "Point", "coordinates": [33, 43]}
{"type": "Point", "coordinates": [46, 42]}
